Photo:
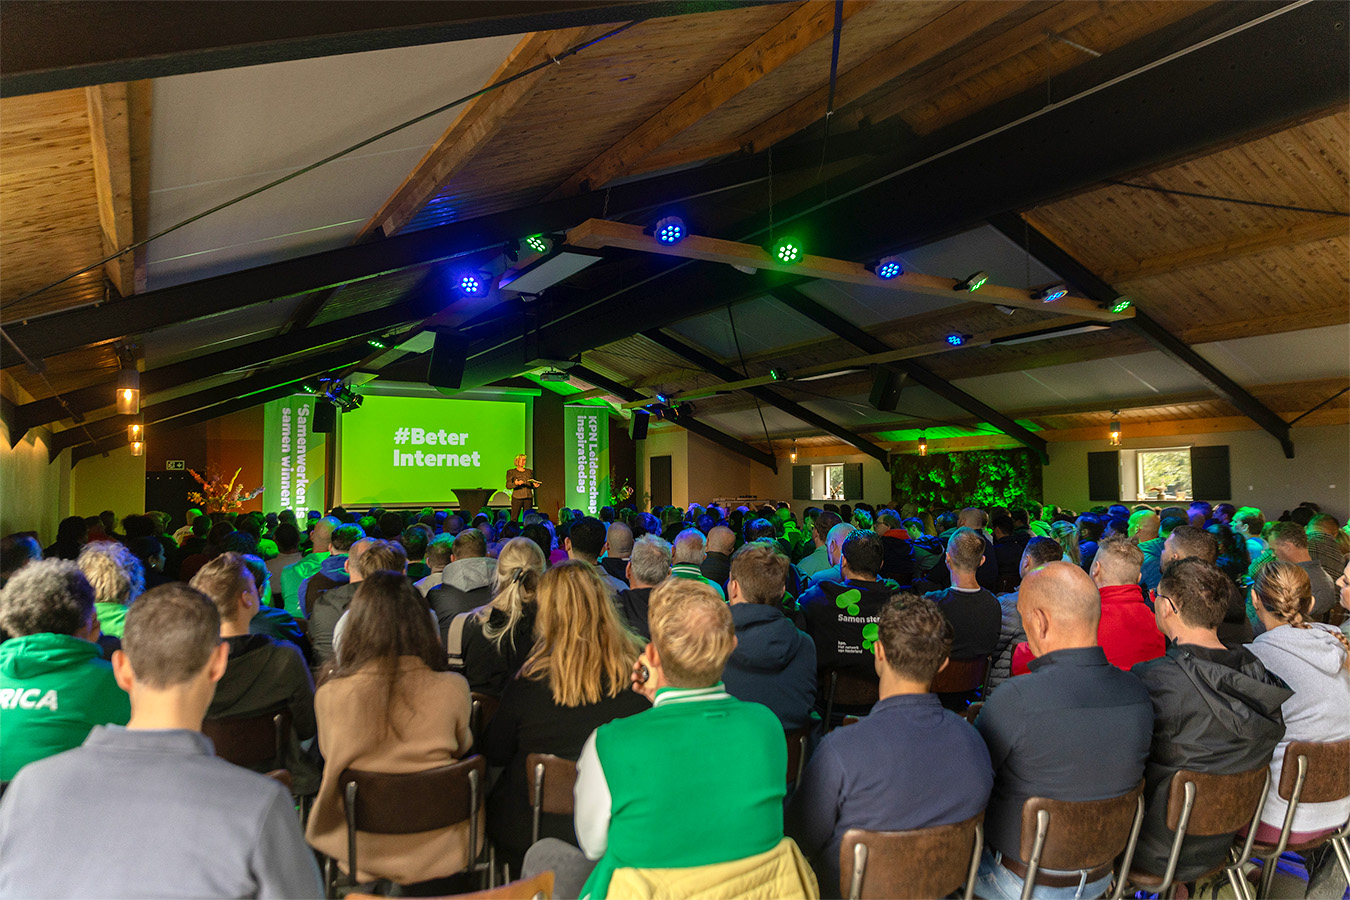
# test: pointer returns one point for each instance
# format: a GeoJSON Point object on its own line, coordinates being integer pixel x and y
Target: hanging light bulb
{"type": "Point", "coordinates": [794, 450]}
{"type": "Point", "coordinates": [135, 432]}
{"type": "Point", "coordinates": [138, 448]}
{"type": "Point", "coordinates": [128, 392]}
{"type": "Point", "coordinates": [1114, 437]}
{"type": "Point", "coordinates": [923, 443]}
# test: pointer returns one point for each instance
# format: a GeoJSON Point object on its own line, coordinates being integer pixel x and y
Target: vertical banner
{"type": "Point", "coordinates": [293, 457]}
{"type": "Point", "coordinates": [586, 457]}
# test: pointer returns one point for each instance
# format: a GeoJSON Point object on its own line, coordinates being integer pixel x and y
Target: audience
{"type": "Point", "coordinates": [377, 556]}
{"type": "Point", "coordinates": [295, 574]}
{"type": "Point", "coordinates": [575, 679]}
{"type": "Point", "coordinates": [117, 578]}
{"type": "Point", "coordinates": [819, 556]}
{"type": "Point", "coordinates": [877, 773]}
{"type": "Point", "coordinates": [773, 663]}
{"type": "Point", "coordinates": [329, 605]}
{"type": "Point", "coordinates": [1074, 728]}
{"type": "Point", "coordinates": [836, 614]}
{"type": "Point", "coordinates": [648, 566]}
{"type": "Point", "coordinates": [618, 547]}
{"type": "Point", "coordinates": [973, 611]}
{"type": "Point", "coordinates": [389, 705]}
{"type": "Point", "coordinates": [440, 552]}
{"type": "Point", "coordinates": [466, 582]}
{"type": "Point", "coordinates": [17, 551]}
{"type": "Point", "coordinates": [147, 810]}
{"type": "Point", "coordinates": [1127, 632]}
{"type": "Point", "coordinates": [695, 781]}
{"type": "Point", "coordinates": [1038, 552]}
{"type": "Point", "coordinates": [716, 566]}
{"type": "Point", "coordinates": [1289, 543]}
{"type": "Point", "coordinates": [333, 570]}
{"type": "Point", "coordinates": [498, 636]}
{"type": "Point", "coordinates": [584, 542]}
{"type": "Point", "coordinates": [834, 544]}
{"type": "Point", "coordinates": [687, 555]}
{"type": "Point", "coordinates": [1215, 709]}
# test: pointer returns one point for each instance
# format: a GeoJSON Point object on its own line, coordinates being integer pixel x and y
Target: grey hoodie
{"type": "Point", "coordinates": [1312, 662]}
{"type": "Point", "coordinates": [465, 584]}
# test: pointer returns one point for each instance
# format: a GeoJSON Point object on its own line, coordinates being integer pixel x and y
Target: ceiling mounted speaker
{"type": "Point", "coordinates": [446, 368]}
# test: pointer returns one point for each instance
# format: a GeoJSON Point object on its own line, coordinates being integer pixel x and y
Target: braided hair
{"type": "Point", "coordinates": [1285, 591]}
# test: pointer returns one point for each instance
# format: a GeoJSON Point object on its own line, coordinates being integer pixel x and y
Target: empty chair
{"type": "Point", "coordinates": [923, 862]}
{"type": "Point", "coordinates": [551, 782]}
{"type": "Point", "coordinates": [1074, 835]}
{"type": "Point", "coordinates": [1204, 804]}
{"type": "Point", "coordinates": [1320, 774]}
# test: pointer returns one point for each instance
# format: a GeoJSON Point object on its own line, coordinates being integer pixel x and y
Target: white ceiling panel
{"type": "Point", "coordinates": [197, 338]}
{"type": "Point", "coordinates": [868, 306]}
{"type": "Point", "coordinates": [215, 135]}
{"type": "Point", "coordinates": [1291, 356]}
{"type": "Point", "coordinates": [763, 324]}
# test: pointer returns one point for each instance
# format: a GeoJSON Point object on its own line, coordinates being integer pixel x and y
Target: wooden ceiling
{"type": "Point", "coordinates": [1242, 239]}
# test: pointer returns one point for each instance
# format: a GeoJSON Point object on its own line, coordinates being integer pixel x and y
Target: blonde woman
{"type": "Point", "coordinates": [575, 679]}
{"type": "Point", "coordinates": [500, 635]}
{"type": "Point", "coordinates": [1314, 660]}
{"type": "Point", "coordinates": [118, 579]}
{"type": "Point", "coordinates": [1067, 535]}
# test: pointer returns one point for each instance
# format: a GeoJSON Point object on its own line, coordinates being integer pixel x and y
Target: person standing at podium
{"type": "Point", "coordinates": [520, 482]}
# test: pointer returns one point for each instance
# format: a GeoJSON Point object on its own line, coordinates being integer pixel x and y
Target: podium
{"type": "Point", "coordinates": [471, 500]}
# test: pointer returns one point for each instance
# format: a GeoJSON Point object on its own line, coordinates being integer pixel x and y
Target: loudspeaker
{"type": "Point", "coordinates": [637, 426]}
{"type": "Point", "coordinates": [446, 368]}
{"type": "Point", "coordinates": [885, 394]}
{"type": "Point", "coordinates": [325, 418]}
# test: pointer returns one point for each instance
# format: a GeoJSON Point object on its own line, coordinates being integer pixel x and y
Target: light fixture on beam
{"type": "Point", "coordinates": [1120, 305]}
{"type": "Point", "coordinates": [135, 432]}
{"type": "Point", "coordinates": [957, 339]}
{"type": "Point", "coordinates": [923, 443]}
{"type": "Point", "coordinates": [1050, 293]}
{"type": "Point", "coordinates": [471, 284]}
{"type": "Point", "coordinates": [786, 250]}
{"type": "Point", "coordinates": [128, 392]}
{"type": "Point", "coordinates": [887, 268]}
{"type": "Point", "coordinates": [138, 448]}
{"type": "Point", "coordinates": [794, 450]}
{"type": "Point", "coordinates": [972, 282]}
{"type": "Point", "coordinates": [668, 230]}
{"type": "Point", "coordinates": [536, 243]}
{"type": "Point", "coordinates": [1113, 437]}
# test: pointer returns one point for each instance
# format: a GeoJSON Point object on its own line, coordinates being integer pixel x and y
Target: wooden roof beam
{"type": "Point", "coordinates": [110, 140]}
{"type": "Point", "coordinates": [801, 28]}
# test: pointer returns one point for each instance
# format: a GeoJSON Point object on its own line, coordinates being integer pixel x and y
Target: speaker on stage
{"type": "Point", "coordinates": [637, 426]}
{"type": "Point", "coordinates": [325, 418]}
{"type": "Point", "coordinates": [446, 368]}
{"type": "Point", "coordinates": [885, 394]}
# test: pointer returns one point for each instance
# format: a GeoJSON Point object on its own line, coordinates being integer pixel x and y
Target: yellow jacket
{"type": "Point", "coordinates": [778, 874]}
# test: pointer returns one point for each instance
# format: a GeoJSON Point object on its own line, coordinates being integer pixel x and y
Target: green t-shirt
{"type": "Point", "coordinates": [294, 575]}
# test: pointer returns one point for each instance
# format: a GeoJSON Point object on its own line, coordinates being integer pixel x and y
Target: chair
{"type": "Point", "coordinates": [540, 887]}
{"type": "Point", "coordinates": [922, 862]}
{"type": "Point", "coordinates": [412, 803]}
{"type": "Point", "coordinates": [796, 753]}
{"type": "Point", "coordinates": [481, 710]}
{"type": "Point", "coordinates": [1204, 804]}
{"type": "Point", "coordinates": [256, 741]}
{"type": "Point", "coordinates": [551, 783]}
{"type": "Point", "coordinates": [1077, 834]}
{"type": "Point", "coordinates": [852, 686]}
{"type": "Point", "coordinates": [961, 676]}
{"type": "Point", "coordinates": [1320, 774]}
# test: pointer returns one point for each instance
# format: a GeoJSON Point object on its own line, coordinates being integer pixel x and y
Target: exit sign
{"type": "Point", "coordinates": [175, 465]}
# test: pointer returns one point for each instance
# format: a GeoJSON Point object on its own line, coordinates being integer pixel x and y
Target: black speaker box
{"type": "Point", "coordinates": [885, 394]}
{"type": "Point", "coordinates": [325, 418]}
{"type": "Point", "coordinates": [637, 426]}
{"type": "Point", "coordinates": [446, 368]}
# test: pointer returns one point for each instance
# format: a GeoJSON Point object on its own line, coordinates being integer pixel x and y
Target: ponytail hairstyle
{"type": "Point", "coordinates": [1066, 533]}
{"type": "Point", "coordinates": [520, 563]}
{"type": "Point", "coordinates": [1285, 591]}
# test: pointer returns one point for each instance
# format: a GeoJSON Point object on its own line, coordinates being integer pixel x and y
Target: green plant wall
{"type": "Point", "coordinates": [983, 478]}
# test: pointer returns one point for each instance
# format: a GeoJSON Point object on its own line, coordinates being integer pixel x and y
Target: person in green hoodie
{"type": "Point", "coordinates": [54, 687]}
{"type": "Point", "coordinates": [118, 579]}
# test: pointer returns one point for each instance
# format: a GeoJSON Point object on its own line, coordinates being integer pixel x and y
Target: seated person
{"type": "Point", "coordinates": [716, 565]}
{"type": "Point", "coordinates": [584, 542]}
{"type": "Point", "coordinates": [1074, 728]}
{"type": "Point", "coordinates": [54, 684]}
{"type": "Point", "coordinates": [618, 547]}
{"type": "Point", "coordinates": [877, 773]}
{"type": "Point", "coordinates": [575, 679]}
{"type": "Point", "coordinates": [836, 613]}
{"type": "Point", "coordinates": [1008, 547]}
{"type": "Point", "coordinates": [390, 706]}
{"type": "Point", "coordinates": [270, 620]}
{"type": "Point", "coordinates": [466, 582]}
{"type": "Point", "coordinates": [414, 540]}
{"type": "Point", "coordinates": [773, 663]}
{"type": "Point", "coordinates": [974, 612]}
{"type": "Point", "coordinates": [332, 571]}
{"type": "Point", "coordinates": [499, 636]}
{"type": "Point", "coordinates": [818, 553]}
{"type": "Point", "coordinates": [648, 566]}
{"type": "Point", "coordinates": [696, 780]}
{"type": "Point", "coordinates": [117, 578]}
{"type": "Point", "coordinates": [261, 672]}
{"type": "Point", "coordinates": [439, 554]}
{"type": "Point", "coordinates": [687, 555]}
{"type": "Point", "coordinates": [1215, 709]}
{"type": "Point", "coordinates": [1289, 543]}
{"type": "Point", "coordinates": [298, 572]}
{"type": "Point", "coordinates": [834, 543]}
{"type": "Point", "coordinates": [327, 606]}
{"type": "Point", "coordinates": [1038, 552]}
{"type": "Point", "coordinates": [148, 810]}
{"type": "Point", "coordinates": [1127, 631]}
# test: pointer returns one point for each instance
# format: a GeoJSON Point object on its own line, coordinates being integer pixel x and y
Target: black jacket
{"type": "Point", "coordinates": [1215, 711]}
{"type": "Point", "coordinates": [837, 615]}
{"type": "Point", "coordinates": [774, 664]}
{"type": "Point", "coordinates": [716, 567]}
{"type": "Point", "coordinates": [488, 666]}
{"type": "Point", "coordinates": [633, 604]}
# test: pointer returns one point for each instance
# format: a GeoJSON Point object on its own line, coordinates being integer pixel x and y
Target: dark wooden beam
{"type": "Point", "coordinates": [918, 374]}
{"type": "Point", "coordinates": [688, 423]}
{"type": "Point", "coordinates": [767, 395]}
{"type": "Point", "coordinates": [47, 46]}
{"type": "Point", "coordinates": [1016, 229]}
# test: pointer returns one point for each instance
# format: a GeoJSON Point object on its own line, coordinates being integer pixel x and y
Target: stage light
{"type": "Point", "coordinates": [1121, 305]}
{"type": "Point", "coordinates": [887, 268]}
{"type": "Point", "coordinates": [923, 444]}
{"type": "Point", "coordinates": [135, 432]}
{"type": "Point", "coordinates": [786, 250]}
{"type": "Point", "coordinates": [668, 230]}
{"type": "Point", "coordinates": [309, 389]}
{"type": "Point", "coordinates": [777, 374]}
{"type": "Point", "coordinates": [377, 344]}
{"type": "Point", "coordinates": [1050, 293]}
{"type": "Point", "coordinates": [972, 283]}
{"type": "Point", "coordinates": [128, 392]}
{"type": "Point", "coordinates": [472, 285]}
{"type": "Point", "coordinates": [956, 339]}
{"type": "Point", "coordinates": [1113, 437]}
{"type": "Point", "coordinates": [536, 243]}
{"type": "Point", "coordinates": [138, 448]}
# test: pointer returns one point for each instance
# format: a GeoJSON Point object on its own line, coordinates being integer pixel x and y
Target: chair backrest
{"type": "Point", "coordinates": [256, 741]}
{"type": "Point", "coordinates": [1328, 771]}
{"type": "Point", "coordinates": [540, 887]}
{"type": "Point", "coordinates": [1222, 804]}
{"type": "Point", "coordinates": [481, 710]}
{"type": "Point", "coordinates": [413, 802]}
{"type": "Point", "coordinates": [961, 675]}
{"type": "Point", "coordinates": [923, 862]}
{"type": "Point", "coordinates": [1081, 834]}
{"type": "Point", "coordinates": [552, 780]}
{"type": "Point", "coordinates": [855, 686]}
{"type": "Point", "coordinates": [796, 753]}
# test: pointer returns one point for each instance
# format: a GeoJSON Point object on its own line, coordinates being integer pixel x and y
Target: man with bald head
{"type": "Point", "coordinates": [292, 576]}
{"type": "Point", "coordinates": [687, 555]}
{"type": "Point", "coordinates": [834, 548]}
{"type": "Point", "coordinates": [1074, 728]}
{"type": "Point", "coordinates": [986, 575]}
{"type": "Point", "coordinates": [618, 548]}
{"type": "Point", "coordinates": [716, 565]}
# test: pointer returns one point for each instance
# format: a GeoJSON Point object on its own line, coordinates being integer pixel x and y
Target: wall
{"type": "Point", "coordinates": [664, 440]}
{"type": "Point", "coordinates": [1261, 476]}
{"type": "Point", "coordinates": [115, 482]}
{"type": "Point", "coordinates": [34, 493]}
{"type": "Point", "coordinates": [715, 471]}
{"type": "Point", "coordinates": [233, 441]}
{"type": "Point", "coordinates": [547, 460]}
{"type": "Point", "coordinates": [768, 486]}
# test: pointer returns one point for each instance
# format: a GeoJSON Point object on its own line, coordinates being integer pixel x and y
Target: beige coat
{"type": "Point", "coordinates": [434, 731]}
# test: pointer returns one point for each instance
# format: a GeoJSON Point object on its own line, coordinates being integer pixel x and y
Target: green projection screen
{"type": "Point", "coordinates": [418, 449]}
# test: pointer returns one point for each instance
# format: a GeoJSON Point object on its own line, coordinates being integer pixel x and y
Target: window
{"type": "Point", "coordinates": [834, 482]}
{"type": "Point", "coordinates": [1165, 474]}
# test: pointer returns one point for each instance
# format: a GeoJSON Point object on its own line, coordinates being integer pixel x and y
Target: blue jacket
{"type": "Point", "coordinates": [774, 664]}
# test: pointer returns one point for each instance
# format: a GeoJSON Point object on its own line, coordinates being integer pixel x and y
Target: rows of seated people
{"type": "Point", "coordinates": [668, 654]}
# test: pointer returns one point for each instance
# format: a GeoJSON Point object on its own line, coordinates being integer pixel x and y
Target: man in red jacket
{"type": "Point", "coordinates": [1128, 632]}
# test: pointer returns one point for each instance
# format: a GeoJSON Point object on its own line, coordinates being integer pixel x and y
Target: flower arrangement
{"type": "Point", "coordinates": [218, 496]}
